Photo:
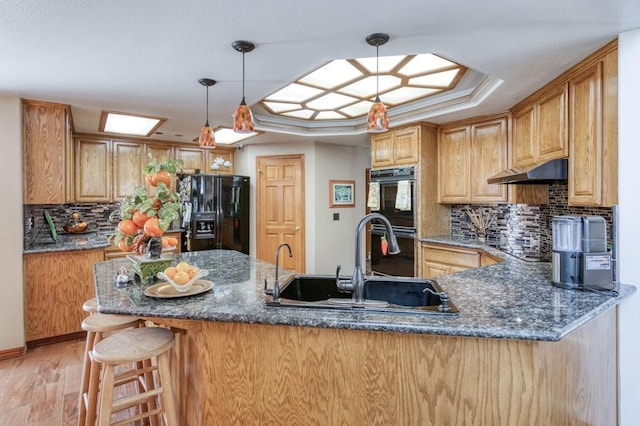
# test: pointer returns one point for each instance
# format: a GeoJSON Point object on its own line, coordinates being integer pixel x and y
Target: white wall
{"type": "Point", "coordinates": [326, 242]}
{"type": "Point", "coordinates": [11, 310]}
{"type": "Point", "coordinates": [629, 230]}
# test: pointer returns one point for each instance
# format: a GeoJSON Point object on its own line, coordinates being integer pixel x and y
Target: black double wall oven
{"type": "Point", "coordinates": [401, 215]}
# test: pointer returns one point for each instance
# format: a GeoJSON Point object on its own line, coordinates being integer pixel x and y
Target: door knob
{"type": "Point", "coordinates": [295, 228]}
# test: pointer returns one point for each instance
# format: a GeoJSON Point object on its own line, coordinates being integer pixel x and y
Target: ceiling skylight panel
{"type": "Point", "coordinates": [335, 73]}
{"type": "Point", "coordinates": [303, 113]}
{"type": "Point", "coordinates": [425, 62]}
{"type": "Point", "coordinates": [330, 101]}
{"type": "Point", "coordinates": [294, 93]}
{"type": "Point", "coordinates": [407, 94]}
{"type": "Point", "coordinates": [439, 79]}
{"type": "Point", "coordinates": [358, 109]}
{"type": "Point", "coordinates": [279, 107]}
{"type": "Point", "coordinates": [387, 63]}
{"type": "Point", "coordinates": [329, 115]}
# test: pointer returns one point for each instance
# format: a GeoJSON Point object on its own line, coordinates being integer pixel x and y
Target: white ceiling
{"type": "Point", "coordinates": [146, 56]}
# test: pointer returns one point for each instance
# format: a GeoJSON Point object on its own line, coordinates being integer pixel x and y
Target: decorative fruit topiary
{"type": "Point", "coordinates": [142, 216]}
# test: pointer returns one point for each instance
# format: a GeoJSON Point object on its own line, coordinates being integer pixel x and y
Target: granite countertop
{"type": "Point", "coordinates": [513, 299]}
{"type": "Point", "coordinates": [70, 242]}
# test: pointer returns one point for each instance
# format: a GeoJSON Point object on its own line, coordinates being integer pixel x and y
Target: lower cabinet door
{"type": "Point", "coordinates": [55, 287]}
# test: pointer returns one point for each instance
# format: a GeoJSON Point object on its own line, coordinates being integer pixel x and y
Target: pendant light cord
{"type": "Point", "coordinates": [377, 72]}
{"type": "Point", "coordinates": [243, 75]}
{"type": "Point", "coordinates": [207, 106]}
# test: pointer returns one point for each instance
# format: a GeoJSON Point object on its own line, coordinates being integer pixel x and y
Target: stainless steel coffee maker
{"type": "Point", "coordinates": [580, 259]}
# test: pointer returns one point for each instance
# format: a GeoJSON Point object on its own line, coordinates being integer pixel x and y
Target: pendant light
{"type": "Point", "coordinates": [242, 118]}
{"type": "Point", "coordinates": [377, 119]}
{"type": "Point", "coordinates": [207, 138]}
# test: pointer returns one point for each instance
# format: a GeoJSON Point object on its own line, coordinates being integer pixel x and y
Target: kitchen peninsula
{"type": "Point", "coordinates": [520, 352]}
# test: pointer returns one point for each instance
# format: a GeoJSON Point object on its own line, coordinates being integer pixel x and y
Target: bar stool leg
{"type": "Point", "coordinates": [86, 369]}
{"type": "Point", "coordinates": [167, 400]}
{"type": "Point", "coordinates": [106, 395]}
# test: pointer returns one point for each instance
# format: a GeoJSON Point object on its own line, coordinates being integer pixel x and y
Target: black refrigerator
{"type": "Point", "coordinates": [215, 212]}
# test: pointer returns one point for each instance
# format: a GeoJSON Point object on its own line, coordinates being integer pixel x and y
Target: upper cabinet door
{"type": "Point", "coordinates": [382, 150]}
{"type": "Point", "coordinates": [488, 157]}
{"type": "Point", "coordinates": [210, 157]}
{"type": "Point", "coordinates": [454, 145]}
{"type": "Point", "coordinates": [47, 153]}
{"type": "Point", "coordinates": [523, 145]}
{"type": "Point", "coordinates": [93, 170]}
{"type": "Point", "coordinates": [552, 111]}
{"type": "Point", "coordinates": [194, 158]}
{"type": "Point", "coordinates": [405, 146]}
{"type": "Point", "coordinates": [128, 158]}
{"type": "Point", "coordinates": [585, 137]}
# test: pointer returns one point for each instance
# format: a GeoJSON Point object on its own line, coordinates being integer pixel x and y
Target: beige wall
{"type": "Point", "coordinates": [11, 312]}
{"type": "Point", "coordinates": [327, 243]}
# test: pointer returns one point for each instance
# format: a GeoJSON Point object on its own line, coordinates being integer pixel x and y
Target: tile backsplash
{"type": "Point", "coordinates": [96, 215]}
{"type": "Point", "coordinates": [524, 230]}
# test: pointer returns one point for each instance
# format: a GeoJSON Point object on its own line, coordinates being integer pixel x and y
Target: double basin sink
{"type": "Point", "coordinates": [382, 294]}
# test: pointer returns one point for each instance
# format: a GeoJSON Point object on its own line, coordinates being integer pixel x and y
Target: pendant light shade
{"type": "Point", "coordinates": [377, 121]}
{"type": "Point", "coordinates": [207, 138]}
{"type": "Point", "coordinates": [243, 118]}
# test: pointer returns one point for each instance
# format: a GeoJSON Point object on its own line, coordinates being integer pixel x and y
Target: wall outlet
{"type": "Point", "coordinates": [31, 222]}
{"type": "Point", "coordinates": [336, 216]}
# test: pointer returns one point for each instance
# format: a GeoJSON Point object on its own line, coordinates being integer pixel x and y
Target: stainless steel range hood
{"type": "Point", "coordinates": [551, 171]}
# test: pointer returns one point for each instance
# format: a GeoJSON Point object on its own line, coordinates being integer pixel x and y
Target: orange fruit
{"type": "Point", "coordinates": [170, 272]}
{"type": "Point", "coordinates": [139, 218]}
{"type": "Point", "coordinates": [173, 241]}
{"type": "Point", "coordinates": [165, 242]}
{"type": "Point", "coordinates": [127, 227]}
{"type": "Point", "coordinates": [162, 176]}
{"type": "Point", "coordinates": [192, 271]}
{"type": "Point", "coordinates": [124, 246]}
{"type": "Point", "coordinates": [183, 266]}
{"type": "Point", "coordinates": [152, 227]}
{"type": "Point", "coordinates": [181, 277]}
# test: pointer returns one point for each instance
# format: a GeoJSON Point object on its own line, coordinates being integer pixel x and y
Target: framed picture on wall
{"type": "Point", "coordinates": [342, 193]}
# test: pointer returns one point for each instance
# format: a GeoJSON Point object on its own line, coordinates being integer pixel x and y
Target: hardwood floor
{"type": "Point", "coordinates": [41, 387]}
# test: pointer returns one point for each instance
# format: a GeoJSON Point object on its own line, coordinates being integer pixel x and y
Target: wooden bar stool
{"type": "Point", "coordinates": [134, 346]}
{"type": "Point", "coordinates": [90, 306]}
{"type": "Point", "coordinates": [97, 326]}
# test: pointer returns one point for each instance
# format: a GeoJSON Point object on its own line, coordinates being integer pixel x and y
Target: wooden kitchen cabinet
{"type": "Point", "coordinates": [593, 136]}
{"type": "Point", "coordinates": [194, 158]}
{"type": "Point", "coordinates": [128, 160]}
{"type": "Point", "coordinates": [469, 153]}
{"type": "Point", "coordinates": [396, 148]}
{"type": "Point", "coordinates": [540, 130]}
{"type": "Point", "coordinates": [47, 156]}
{"type": "Point", "coordinates": [160, 152]}
{"type": "Point", "coordinates": [210, 157]}
{"type": "Point", "coordinates": [93, 170]}
{"type": "Point", "coordinates": [439, 259]}
{"type": "Point", "coordinates": [55, 287]}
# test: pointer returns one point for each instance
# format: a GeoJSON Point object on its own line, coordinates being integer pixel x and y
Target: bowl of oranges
{"type": "Point", "coordinates": [182, 276]}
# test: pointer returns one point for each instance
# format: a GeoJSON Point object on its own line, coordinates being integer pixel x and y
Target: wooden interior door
{"type": "Point", "coordinates": [280, 202]}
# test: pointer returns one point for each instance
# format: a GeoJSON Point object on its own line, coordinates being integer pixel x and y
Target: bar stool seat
{"type": "Point", "coordinates": [135, 346]}
{"type": "Point", "coordinates": [97, 326]}
{"type": "Point", "coordinates": [90, 306]}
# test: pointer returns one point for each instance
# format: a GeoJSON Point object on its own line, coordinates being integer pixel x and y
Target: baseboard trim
{"type": "Point", "coordinates": [56, 339]}
{"type": "Point", "coordinates": [12, 353]}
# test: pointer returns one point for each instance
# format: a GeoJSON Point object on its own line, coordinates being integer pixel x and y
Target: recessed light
{"type": "Point", "coordinates": [129, 124]}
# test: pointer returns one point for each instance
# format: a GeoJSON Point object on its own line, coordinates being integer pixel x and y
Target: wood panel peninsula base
{"type": "Point", "coordinates": [241, 373]}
